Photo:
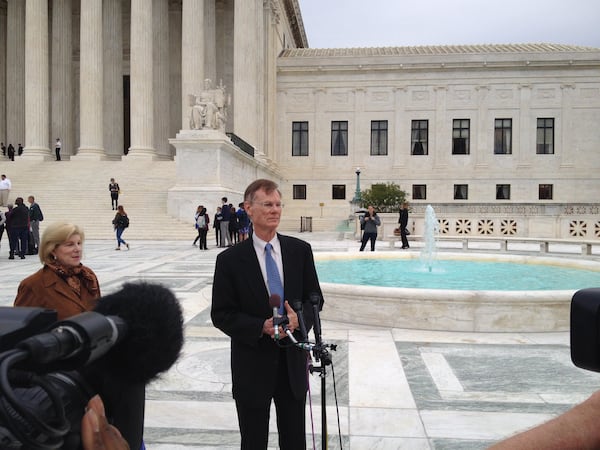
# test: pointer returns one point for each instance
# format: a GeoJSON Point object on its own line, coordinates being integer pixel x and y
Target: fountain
{"type": "Point", "coordinates": [450, 309]}
{"type": "Point", "coordinates": [432, 228]}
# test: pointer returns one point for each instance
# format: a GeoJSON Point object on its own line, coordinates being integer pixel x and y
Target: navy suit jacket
{"type": "Point", "coordinates": [240, 305]}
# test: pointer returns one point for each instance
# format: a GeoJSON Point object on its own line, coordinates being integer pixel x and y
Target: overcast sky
{"type": "Point", "coordinates": [390, 23]}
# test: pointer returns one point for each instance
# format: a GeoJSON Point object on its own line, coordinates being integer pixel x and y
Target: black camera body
{"type": "Point", "coordinates": [41, 406]}
{"type": "Point", "coordinates": [585, 329]}
{"type": "Point", "coordinates": [49, 370]}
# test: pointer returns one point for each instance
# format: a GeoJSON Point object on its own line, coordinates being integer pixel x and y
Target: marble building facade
{"type": "Point", "coordinates": [500, 139]}
{"type": "Point", "coordinates": [112, 77]}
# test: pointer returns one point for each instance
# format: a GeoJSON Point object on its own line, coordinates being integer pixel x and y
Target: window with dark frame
{"type": "Point", "coordinates": [299, 191]}
{"type": "Point", "coordinates": [338, 192]}
{"type": "Point", "coordinates": [379, 135]}
{"type": "Point", "coordinates": [461, 136]}
{"type": "Point", "coordinates": [545, 136]}
{"type": "Point", "coordinates": [419, 192]}
{"type": "Point", "coordinates": [339, 138]}
{"type": "Point", "coordinates": [419, 137]}
{"type": "Point", "coordinates": [545, 192]}
{"type": "Point", "coordinates": [299, 138]}
{"type": "Point", "coordinates": [461, 192]}
{"type": "Point", "coordinates": [503, 136]}
{"type": "Point", "coordinates": [503, 192]}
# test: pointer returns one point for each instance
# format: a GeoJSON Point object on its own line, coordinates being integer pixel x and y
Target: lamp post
{"type": "Point", "coordinates": [355, 203]}
{"type": "Point", "coordinates": [357, 197]}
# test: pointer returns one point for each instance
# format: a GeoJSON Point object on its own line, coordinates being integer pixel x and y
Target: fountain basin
{"type": "Point", "coordinates": [452, 310]}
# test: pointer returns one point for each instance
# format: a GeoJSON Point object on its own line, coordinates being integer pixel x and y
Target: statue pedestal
{"type": "Point", "coordinates": [209, 166]}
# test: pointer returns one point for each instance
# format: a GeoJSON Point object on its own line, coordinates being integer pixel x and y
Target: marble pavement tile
{"type": "Point", "coordinates": [386, 422]}
{"type": "Point", "coordinates": [191, 414]}
{"type": "Point", "coordinates": [477, 424]}
{"type": "Point", "coordinates": [385, 443]}
{"type": "Point", "coordinates": [376, 376]}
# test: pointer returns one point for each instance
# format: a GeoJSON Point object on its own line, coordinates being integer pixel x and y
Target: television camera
{"type": "Point", "coordinates": [43, 387]}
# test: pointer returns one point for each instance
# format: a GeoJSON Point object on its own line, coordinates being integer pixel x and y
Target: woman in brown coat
{"type": "Point", "coordinates": [63, 284]}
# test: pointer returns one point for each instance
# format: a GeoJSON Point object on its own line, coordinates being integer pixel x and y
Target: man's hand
{"type": "Point", "coordinates": [96, 433]}
{"type": "Point", "coordinates": [292, 317]}
{"type": "Point", "coordinates": [292, 325]}
{"type": "Point", "coordinates": [268, 328]}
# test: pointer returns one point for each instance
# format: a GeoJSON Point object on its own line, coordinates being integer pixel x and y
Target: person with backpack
{"type": "Point", "coordinates": [120, 222]}
{"type": "Point", "coordinates": [243, 223]}
{"type": "Point", "coordinates": [233, 224]}
{"type": "Point", "coordinates": [202, 221]}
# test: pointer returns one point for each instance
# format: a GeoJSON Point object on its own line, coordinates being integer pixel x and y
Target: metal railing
{"type": "Point", "coordinates": [241, 144]}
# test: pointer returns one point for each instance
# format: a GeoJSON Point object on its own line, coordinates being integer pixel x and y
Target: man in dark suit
{"type": "Point", "coordinates": [263, 367]}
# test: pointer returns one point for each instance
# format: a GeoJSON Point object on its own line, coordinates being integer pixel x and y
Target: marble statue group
{"type": "Point", "coordinates": [209, 108]}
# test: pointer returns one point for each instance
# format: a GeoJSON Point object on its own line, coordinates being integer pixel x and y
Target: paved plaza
{"type": "Point", "coordinates": [387, 389]}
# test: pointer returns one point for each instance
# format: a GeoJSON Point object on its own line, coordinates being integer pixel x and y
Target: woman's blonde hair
{"type": "Point", "coordinates": [54, 235]}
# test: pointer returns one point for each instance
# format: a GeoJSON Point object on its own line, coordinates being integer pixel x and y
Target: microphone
{"type": "Point", "coordinates": [141, 325]}
{"type": "Point", "coordinates": [297, 305]}
{"type": "Point", "coordinates": [275, 302]}
{"type": "Point", "coordinates": [72, 343]}
{"type": "Point", "coordinates": [154, 338]}
{"type": "Point", "coordinates": [315, 300]}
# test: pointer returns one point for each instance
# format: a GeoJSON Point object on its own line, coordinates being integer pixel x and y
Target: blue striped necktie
{"type": "Point", "coordinates": [273, 278]}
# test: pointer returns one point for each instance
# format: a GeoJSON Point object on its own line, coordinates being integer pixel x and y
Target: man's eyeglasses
{"type": "Point", "coordinates": [270, 205]}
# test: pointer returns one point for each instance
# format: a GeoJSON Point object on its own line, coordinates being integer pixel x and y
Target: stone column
{"type": "Point", "coordinates": [563, 131]}
{"type": "Point", "coordinates": [61, 77]}
{"type": "Point", "coordinates": [142, 102]}
{"type": "Point", "coordinates": [160, 9]}
{"type": "Point", "coordinates": [246, 57]}
{"type": "Point", "coordinates": [441, 128]}
{"type": "Point", "coordinates": [3, 72]}
{"type": "Point", "coordinates": [113, 78]}
{"type": "Point", "coordinates": [15, 73]}
{"type": "Point", "coordinates": [91, 82]}
{"type": "Point", "coordinates": [523, 151]}
{"type": "Point", "coordinates": [319, 132]}
{"type": "Point", "coordinates": [37, 97]}
{"type": "Point", "coordinates": [481, 148]}
{"type": "Point", "coordinates": [175, 61]}
{"type": "Point", "coordinates": [210, 42]}
{"type": "Point", "coordinates": [224, 16]}
{"type": "Point", "coordinates": [398, 144]}
{"type": "Point", "coordinates": [192, 55]}
{"type": "Point", "coordinates": [272, 49]}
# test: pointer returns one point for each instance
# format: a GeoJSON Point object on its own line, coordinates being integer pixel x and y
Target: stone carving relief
{"type": "Point", "coordinates": [209, 108]}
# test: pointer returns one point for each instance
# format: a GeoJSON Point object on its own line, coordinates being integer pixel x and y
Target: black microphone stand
{"type": "Point", "coordinates": [320, 351]}
{"type": "Point", "coordinates": [322, 355]}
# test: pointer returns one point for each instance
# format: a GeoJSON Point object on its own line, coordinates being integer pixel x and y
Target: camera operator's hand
{"type": "Point", "coordinates": [96, 432]}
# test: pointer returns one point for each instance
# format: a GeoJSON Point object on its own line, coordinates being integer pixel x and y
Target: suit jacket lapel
{"type": "Point", "coordinates": [290, 262]}
{"type": "Point", "coordinates": [250, 266]}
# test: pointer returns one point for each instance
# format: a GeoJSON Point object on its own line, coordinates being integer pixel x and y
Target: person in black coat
{"type": "Point", "coordinates": [403, 221]}
{"type": "Point", "coordinates": [18, 228]}
{"type": "Point", "coordinates": [264, 368]}
{"type": "Point", "coordinates": [11, 152]}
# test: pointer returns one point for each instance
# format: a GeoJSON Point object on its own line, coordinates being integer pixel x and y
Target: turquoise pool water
{"type": "Point", "coordinates": [455, 275]}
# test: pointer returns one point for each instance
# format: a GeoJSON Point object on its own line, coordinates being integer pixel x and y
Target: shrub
{"type": "Point", "coordinates": [385, 197]}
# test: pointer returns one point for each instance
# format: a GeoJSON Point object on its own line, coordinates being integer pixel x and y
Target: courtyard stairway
{"type": "Point", "coordinates": [77, 191]}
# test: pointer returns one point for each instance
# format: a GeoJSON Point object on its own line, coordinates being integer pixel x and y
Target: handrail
{"type": "Point", "coordinates": [504, 241]}
{"type": "Point", "coordinates": [241, 144]}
